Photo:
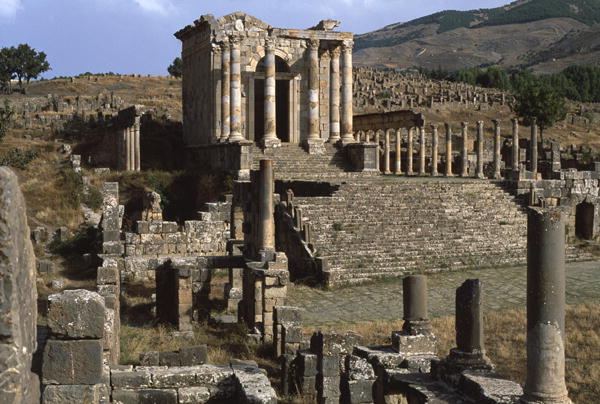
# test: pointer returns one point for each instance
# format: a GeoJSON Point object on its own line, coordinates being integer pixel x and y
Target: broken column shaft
{"type": "Point", "coordinates": [414, 295]}
{"type": "Point", "coordinates": [545, 307]}
{"type": "Point", "coordinates": [266, 225]}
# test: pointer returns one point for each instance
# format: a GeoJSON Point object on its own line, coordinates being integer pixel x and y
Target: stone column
{"type": "Point", "coordinates": [334, 97]}
{"type": "Point", "coordinates": [270, 136]}
{"type": "Point", "coordinates": [479, 171]}
{"type": "Point", "coordinates": [398, 162]}
{"type": "Point", "coordinates": [127, 134]}
{"type": "Point", "coordinates": [386, 153]}
{"type": "Point", "coordinates": [136, 145]}
{"type": "Point", "coordinates": [515, 144]}
{"type": "Point", "coordinates": [236, 92]}
{"type": "Point", "coordinates": [545, 381]}
{"type": "Point", "coordinates": [497, 146]}
{"type": "Point", "coordinates": [409, 153]}
{"type": "Point", "coordinates": [313, 143]}
{"type": "Point", "coordinates": [422, 150]}
{"type": "Point", "coordinates": [131, 134]}
{"type": "Point", "coordinates": [465, 150]}
{"type": "Point", "coordinates": [347, 136]}
{"type": "Point", "coordinates": [469, 352]}
{"type": "Point", "coordinates": [534, 146]}
{"type": "Point", "coordinates": [414, 296]}
{"type": "Point", "coordinates": [434, 150]}
{"type": "Point", "coordinates": [448, 150]}
{"type": "Point", "coordinates": [266, 224]}
{"type": "Point", "coordinates": [225, 90]}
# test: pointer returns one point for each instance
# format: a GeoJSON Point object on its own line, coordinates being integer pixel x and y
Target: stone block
{"type": "Point", "coordinates": [358, 368]}
{"type": "Point", "coordinates": [150, 358]}
{"type": "Point", "coordinates": [176, 376]}
{"type": "Point", "coordinates": [329, 366]}
{"type": "Point", "coordinates": [72, 362]}
{"type": "Point", "coordinates": [360, 391]}
{"type": "Point", "coordinates": [193, 395]}
{"type": "Point", "coordinates": [193, 355]}
{"type": "Point", "coordinates": [291, 334]}
{"type": "Point", "coordinates": [213, 375]}
{"type": "Point", "coordinates": [76, 314]}
{"type": "Point", "coordinates": [328, 386]}
{"type": "Point", "coordinates": [107, 276]}
{"type": "Point", "coordinates": [420, 344]}
{"type": "Point", "coordinates": [334, 342]}
{"type": "Point", "coordinates": [307, 364]}
{"type": "Point", "coordinates": [64, 394]}
{"type": "Point", "coordinates": [169, 359]}
{"type": "Point", "coordinates": [254, 385]}
{"type": "Point", "coordinates": [144, 396]}
{"type": "Point", "coordinates": [130, 379]}
{"type": "Point", "coordinates": [288, 314]}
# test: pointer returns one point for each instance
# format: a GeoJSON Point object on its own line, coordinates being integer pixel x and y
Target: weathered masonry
{"type": "Point", "coordinates": [244, 80]}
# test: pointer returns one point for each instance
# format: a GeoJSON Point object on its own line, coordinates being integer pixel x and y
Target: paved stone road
{"type": "Point", "coordinates": [504, 288]}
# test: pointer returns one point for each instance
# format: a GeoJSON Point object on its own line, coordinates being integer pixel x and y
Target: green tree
{"type": "Point", "coordinates": [6, 113]}
{"type": "Point", "coordinates": [539, 100]}
{"type": "Point", "coordinates": [7, 68]}
{"type": "Point", "coordinates": [29, 64]}
{"type": "Point", "coordinates": [175, 69]}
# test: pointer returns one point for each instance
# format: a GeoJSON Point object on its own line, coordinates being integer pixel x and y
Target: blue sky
{"type": "Point", "coordinates": [136, 36]}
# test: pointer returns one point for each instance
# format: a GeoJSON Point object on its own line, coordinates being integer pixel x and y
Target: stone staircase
{"type": "Point", "coordinates": [291, 162]}
{"type": "Point", "coordinates": [392, 226]}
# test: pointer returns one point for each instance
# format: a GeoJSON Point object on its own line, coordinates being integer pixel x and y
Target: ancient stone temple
{"type": "Point", "coordinates": [244, 80]}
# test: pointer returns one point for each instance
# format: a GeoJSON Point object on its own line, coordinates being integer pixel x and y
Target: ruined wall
{"type": "Point", "coordinates": [18, 297]}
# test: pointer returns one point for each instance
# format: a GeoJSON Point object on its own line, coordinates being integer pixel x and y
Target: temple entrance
{"type": "Point", "coordinates": [282, 101]}
{"type": "Point", "coordinates": [584, 221]}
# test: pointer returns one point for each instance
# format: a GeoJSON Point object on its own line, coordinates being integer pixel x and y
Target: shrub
{"type": "Point", "coordinates": [18, 158]}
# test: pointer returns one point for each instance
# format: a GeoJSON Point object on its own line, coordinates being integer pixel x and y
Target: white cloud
{"type": "Point", "coordinates": [154, 6]}
{"type": "Point", "coordinates": [8, 8]}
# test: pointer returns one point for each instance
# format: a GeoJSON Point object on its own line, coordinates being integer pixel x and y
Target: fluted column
{"type": "Point", "coordinates": [434, 150]}
{"type": "Point", "coordinates": [347, 93]}
{"type": "Point", "coordinates": [515, 144]}
{"type": "Point", "coordinates": [386, 153]}
{"type": "Point", "coordinates": [398, 164]}
{"type": "Point", "coordinates": [137, 162]}
{"type": "Point", "coordinates": [270, 137]}
{"type": "Point", "coordinates": [334, 96]}
{"type": "Point", "coordinates": [409, 153]}
{"type": "Point", "coordinates": [422, 150]}
{"type": "Point", "coordinates": [236, 92]}
{"type": "Point", "coordinates": [534, 146]}
{"type": "Point", "coordinates": [497, 174]}
{"type": "Point", "coordinates": [448, 172]}
{"type": "Point", "coordinates": [465, 150]}
{"type": "Point", "coordinates": [225, 90]}
{"type": "Point", "coordinates": [479, 171]}
{"type": "Point", "coordinates": [313, 89]}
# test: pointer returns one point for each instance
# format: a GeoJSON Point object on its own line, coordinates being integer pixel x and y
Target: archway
{"type": "Point", "coordinates": [584, 221]}
{"type": "Point", "coordinates": [282, 101]}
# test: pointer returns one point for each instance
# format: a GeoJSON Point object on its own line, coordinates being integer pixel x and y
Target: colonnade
{"type": "Point", "coordinates": [129, 155]}
{"type": "Point", "coordinates": [393, 140]}
{"type": "Point", "coordinates": [340, 92]}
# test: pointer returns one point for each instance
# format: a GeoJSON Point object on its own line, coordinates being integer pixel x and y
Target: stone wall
{"type": "Point", "coordinates": [18, 297]}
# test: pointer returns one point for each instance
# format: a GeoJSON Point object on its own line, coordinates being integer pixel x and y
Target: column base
{"type": "Point", "coordinates": [532, 399]}
{"type": "Point", "coordinates": [347, 139]}
{"type": "Point", "coordinates": [334, 139]}
{"type": "Point", "coordinates": [497, 176]}
{"type": "Point", "coordinates": [481, 176]}
{"type": "Point", "coordinates": [314, 146]}
{"type": "Point", "coordinates": [435, 174]}
{"type": "Point", "coordinates": [448, 175]}
{"type": "Point", "coordinates": [235, 138]}
{"type": "Point", "coordinates": [270, 143]}
{"type": "Point", "coordinates": [477, 360]}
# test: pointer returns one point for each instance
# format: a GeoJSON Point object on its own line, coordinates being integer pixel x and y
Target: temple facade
{"type": "Point", "coordinates": [246, 81]}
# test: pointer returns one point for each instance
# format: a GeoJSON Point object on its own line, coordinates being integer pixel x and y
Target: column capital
{"type": "Point", "coordinates": [269, 44]}
{"type": "Point", "coordinates": [313, 43]}
{"type": "Point", "coordinates": [335, 52]}
{"type": "Point", "coordinates": [347, 45]}
{"type": "Point", "coordinates": [479, 123]}
{"type": "Point", "coordinates": [464, 124]}
{"type": "Point", "coordinates": [224, 45]}
{"type": "Point", "coordinates": [515, 121]}
{"type": "Point", "coordinates": [496, 122]}
{"type": "Point", "coordinates": [235, 40]}
{"type": "Point", "coordinates": [433, 126]}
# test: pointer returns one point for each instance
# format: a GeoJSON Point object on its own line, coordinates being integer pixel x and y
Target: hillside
{"type": "Point", "coordinates": [523, 33]}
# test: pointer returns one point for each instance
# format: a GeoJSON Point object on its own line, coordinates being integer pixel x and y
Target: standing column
{"type": "Point", "coordinates": [479, 173]}
{"type": "Point", "coordinates": [127, 165]}
{"type": "Point", "coordinates": [334, 97]}
{"type": "Point", "coordinates": [270, 136]}
{"type": "Point", "coordinates": [515, 144]}
{"type": "Point", "coordinates": [347, 136]}
{"type": "Point", "coordinates": [545, 381]}
{"type": "Point", "coordinates": [386, 153]}
{"type": "Point", "coordinates": [448, 172]}
{"type": "Point", "coordinates": [398, 164]}
{"type": "Point", "coordinates": [131, 135]}
{"type": "Point", "coordinates": [534, 146]}
{"type": "Point", "coordinates": [136, 145]}
{"type": "Point", "coordinates": [313, 143]}
{"type": "Point", "coordinates": [409, 153]}
{"type": "Point", "coordinates": [414, 296]}
{"type": "Point", "coordinates": [434, 150]}
{"type": "Point", "coordinates": [465, 151]}
{"type": "Point", "coordinates": [422, 150]}
{"type": "Point", "coordinates": [497, 174]}
{"type": "Point", "coordinates": [266, 224]}
{"type": "Point", "coordinates": [236, 92]}
{"type": "Point", "coordinates": [225, 90]}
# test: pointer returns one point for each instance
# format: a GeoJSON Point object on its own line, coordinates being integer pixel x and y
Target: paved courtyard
{"type": "Point", "coordinates": [504, 288]}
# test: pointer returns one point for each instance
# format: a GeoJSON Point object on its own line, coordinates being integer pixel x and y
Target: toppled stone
{"type": "Point", "coordinates": [254, 385]}
{"type": "Point", "coordinates": [358, 368]}
{"type": "Point", "coordinates": [76, 314]}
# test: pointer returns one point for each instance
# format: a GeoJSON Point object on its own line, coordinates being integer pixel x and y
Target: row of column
{"type": "Point", "coordinates": [434, 151]}
{"type": "Point", "coordinates": [130, 141]}
{"type": "Point", "coordinates": [340, 111]}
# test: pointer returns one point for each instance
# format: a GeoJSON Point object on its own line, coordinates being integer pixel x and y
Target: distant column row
{"type": "Point", "coordinates": [130, 158]}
